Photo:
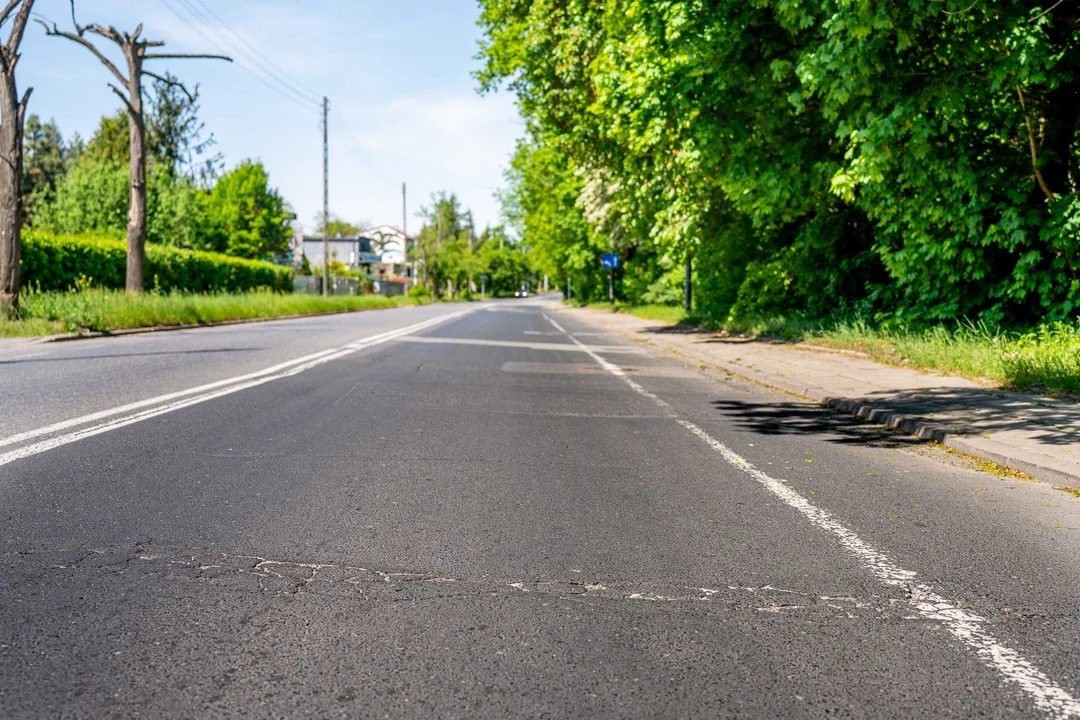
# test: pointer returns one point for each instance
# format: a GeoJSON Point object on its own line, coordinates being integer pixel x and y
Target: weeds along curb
{"type": "Point", "coordinates": [910, 424]}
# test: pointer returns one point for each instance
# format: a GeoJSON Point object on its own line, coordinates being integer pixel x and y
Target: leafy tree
{"type": "Point", "coordinates": [442, 241]}
{"type": "Point", "coordinates": [917, 160]}
{"type": "Point", "coordinates": [338, 226]}
{"type": "Point", "coordinates": [45, 162]}
{"type": "Point", "coordinates": [175, 134]}
{"type": "Point", "coordinates": [245, 216]}
{"type": "Point", "coordinates": [507, 268]}
{"type": "Point", "coordinates": [93, 198]}
{"type": "Point", "coordinates": [110, 143]}
{"type": "Point", "coordinates": [453, 253]}
{"type": "Point", "coordinates": [541, 204]}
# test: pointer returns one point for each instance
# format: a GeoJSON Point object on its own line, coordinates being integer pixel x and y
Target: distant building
{"type": "Point", "coordinates": [353, 252]}
{"type": "Point", "coordinates": [394, 245]}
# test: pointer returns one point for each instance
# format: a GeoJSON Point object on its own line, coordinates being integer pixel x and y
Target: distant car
{"type": "Point", "coordinates": [521, 292]}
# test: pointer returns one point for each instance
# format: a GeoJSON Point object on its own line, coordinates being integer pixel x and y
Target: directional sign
{"type": "Point", "coordinates": [609, 261]}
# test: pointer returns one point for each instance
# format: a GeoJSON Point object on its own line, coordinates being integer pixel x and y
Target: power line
{"type": "Point", "coordinates": [354, 146]}
{"type": "Point", "coordinates": [285, 77]}
{"type": "Point", "coordinates": [294, 97]}
{"type": "Point", "coordinates": [239, 51]}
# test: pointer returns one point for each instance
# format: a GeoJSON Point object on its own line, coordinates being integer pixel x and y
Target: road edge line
{"type": "Point", "coordinates": [222, 388]}
{"type": "Point", "coordinates": [913, 425]}
{"type": "Point", "coordinates": [1048, 696]}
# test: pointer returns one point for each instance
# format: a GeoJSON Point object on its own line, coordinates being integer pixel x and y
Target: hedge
{"type": "Point", "coordinates": [55, 262]}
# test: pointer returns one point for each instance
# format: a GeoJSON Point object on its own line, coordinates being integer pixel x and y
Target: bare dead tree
{"type": "Point", "coordinates": [12, 114]}
{"type": "Point", "coordinates": [135, 54]}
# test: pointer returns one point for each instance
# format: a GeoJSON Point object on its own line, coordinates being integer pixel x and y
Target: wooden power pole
{"type": "Point", "coordinates": [325, 197]}
{"type": "Point", "coordinates": [405, 235]}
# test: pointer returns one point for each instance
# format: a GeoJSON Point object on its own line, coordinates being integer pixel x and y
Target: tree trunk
{"type": "Point", "coordinates": [10, 195]}
{"type": "Point", "coordinates": [136, 227]}
{"type": "Point", "coordinates": [1062, 106]}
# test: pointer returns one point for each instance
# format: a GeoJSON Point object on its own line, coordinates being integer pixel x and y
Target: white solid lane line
{"type": "Point", "coordinates": [111, 412]}
{"type": "Point", "coordinates": [199, 394]}
{"type": "Point", "coordinates": [1047, 695]}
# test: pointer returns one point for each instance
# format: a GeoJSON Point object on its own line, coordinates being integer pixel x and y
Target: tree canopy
{"type": "Point", "coordinates": [246, 216]}
{"type": "Point", "coordinates": [911, 160]}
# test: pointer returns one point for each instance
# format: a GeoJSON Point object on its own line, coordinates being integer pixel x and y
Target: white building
{"type": "Point", "coordinates": [394, 245]}
{"type": "Point", "coordinates": [352, 252]}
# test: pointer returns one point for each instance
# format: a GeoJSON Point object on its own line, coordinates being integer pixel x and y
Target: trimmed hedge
{"type": "Point", "coordinates": [55, 262]}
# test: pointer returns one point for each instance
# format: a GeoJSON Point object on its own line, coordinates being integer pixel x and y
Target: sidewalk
{"type": "Point", "coordinates": [1037, 435]}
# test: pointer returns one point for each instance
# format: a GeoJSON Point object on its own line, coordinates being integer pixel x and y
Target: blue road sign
{"type": "Point", "coordinates": [609, 261]}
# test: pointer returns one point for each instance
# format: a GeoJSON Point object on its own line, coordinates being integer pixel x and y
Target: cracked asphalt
{"type": "Point", "coordinates": [479, 520]}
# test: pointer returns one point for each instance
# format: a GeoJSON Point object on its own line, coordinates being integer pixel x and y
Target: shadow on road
{"type": "Point", "coordinates": [793, 418]}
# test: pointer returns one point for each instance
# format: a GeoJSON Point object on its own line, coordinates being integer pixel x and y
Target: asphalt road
{"type": "Point", "coordinates": [496, 510]}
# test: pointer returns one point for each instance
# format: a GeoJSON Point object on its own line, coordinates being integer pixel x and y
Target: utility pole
{"type": "Point", "coordinates": [325, 197]}
{"type": "Point", "coordinates": [405, 233]}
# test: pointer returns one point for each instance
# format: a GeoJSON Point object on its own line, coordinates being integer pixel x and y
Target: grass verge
{"type": "Point", "coordinates": [661, 313]}
{"type": "Point", "coordinates": [47, 313]}
{"type": "Point", "coordinates": [1045, 359]}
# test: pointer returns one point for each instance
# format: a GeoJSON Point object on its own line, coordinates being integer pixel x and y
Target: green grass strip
{"type": "Point", "coordinates": [1044, 359]}
{"type": "Point", "coordinates": [92, 309]}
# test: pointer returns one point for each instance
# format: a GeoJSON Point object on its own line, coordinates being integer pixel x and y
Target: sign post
{"type": "Point", "coordinates": [611, 262]}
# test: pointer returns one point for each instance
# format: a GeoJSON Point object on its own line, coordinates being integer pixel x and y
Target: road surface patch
{"type": "Point", "coordinates": [556, 347]}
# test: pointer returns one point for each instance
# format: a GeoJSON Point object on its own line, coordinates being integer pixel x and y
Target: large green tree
{"type": "Point", "coordinates": [916, 159]}
{"type": "Point", "coordinates": [245, 216]}
{"type": "Point", "coordinates": [93, 198]}
{"type": "Point", "coordinates": [46, 159]}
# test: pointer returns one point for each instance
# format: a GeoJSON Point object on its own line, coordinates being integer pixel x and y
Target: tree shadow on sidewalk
{"type": "Point", "coordinates": [959, 411]}
{"type": "Point", "coordinates": [985, 411]}
{"type": "Point", "coordinates": [825, 423]}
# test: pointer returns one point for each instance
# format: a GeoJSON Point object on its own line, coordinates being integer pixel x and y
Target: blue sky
{"type": "Point", "coordinates": [397, 72]}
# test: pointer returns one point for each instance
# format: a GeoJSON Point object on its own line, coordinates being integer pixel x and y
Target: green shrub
{"type": "Point", "coordinates": [419, 291]}
{"type": "Point", "coordinates": [56, 262]}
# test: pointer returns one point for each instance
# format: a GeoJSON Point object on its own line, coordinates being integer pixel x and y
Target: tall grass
{"type": "Point", "coordinates": [1043, 359]}
{"type": "Point", "coordinates": [95, 309]}
{"type": "Point", "coordinates": [1046, 358]}
{"type": "Point", "coordinates": [662, 313]}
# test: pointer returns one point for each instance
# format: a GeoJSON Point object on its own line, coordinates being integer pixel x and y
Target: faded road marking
{"type": "Point", "coordinates": [557, 347]}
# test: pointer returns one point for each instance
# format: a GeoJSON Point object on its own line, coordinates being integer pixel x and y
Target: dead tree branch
{"type": "Point", "coordinates": [130, 91]}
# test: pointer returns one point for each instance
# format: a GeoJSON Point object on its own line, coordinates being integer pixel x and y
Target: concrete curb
{"type": "Point", "coordinates": [910, 424]}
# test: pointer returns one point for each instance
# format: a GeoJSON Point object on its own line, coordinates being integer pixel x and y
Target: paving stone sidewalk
{"type": "Point", "coordinates": [1040, 436]}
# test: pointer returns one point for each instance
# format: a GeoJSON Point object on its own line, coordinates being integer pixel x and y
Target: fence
{"type": "Point", "coordinates": [312, 285]}
{"type": "Point", "coordinates": [389, 287]}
